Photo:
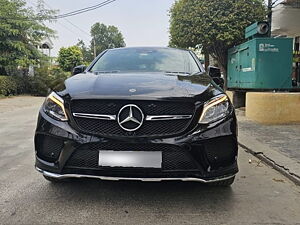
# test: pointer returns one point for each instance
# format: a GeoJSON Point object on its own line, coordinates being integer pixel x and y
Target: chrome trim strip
{"type": "Point", "coordinates": [45, 162]}
{"type": "Point", "coordinates": [64, 176]}
{"type": "Point", "coordinates": [168, 117]}
{"type": "Point", "coordinates": [148, 118]}
{"type": "Point", "coordinates": [95, 116]}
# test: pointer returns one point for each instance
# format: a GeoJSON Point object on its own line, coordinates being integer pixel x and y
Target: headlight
{"type": "Point", "coordinates": [215, 109]}
{"type": "Point", "coordinates": [54, 107]}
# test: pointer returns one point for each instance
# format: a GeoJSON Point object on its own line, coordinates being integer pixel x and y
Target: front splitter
{"type": "Point", "coordinates": [191, 179]}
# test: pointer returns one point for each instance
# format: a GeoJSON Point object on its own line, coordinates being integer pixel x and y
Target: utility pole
{"type": "Point", "coordinates": [270, 7]}
{"type": "Point", "coordinates": [95, 53]}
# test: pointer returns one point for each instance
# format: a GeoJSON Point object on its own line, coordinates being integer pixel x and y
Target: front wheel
{"type": "Point", "coordinates": [223, 183]}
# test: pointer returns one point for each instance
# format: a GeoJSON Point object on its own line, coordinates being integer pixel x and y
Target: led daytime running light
{"type": "Point", "coordinates": [212, 103]}
{"type": "Point", "coordinates": [59, 101]}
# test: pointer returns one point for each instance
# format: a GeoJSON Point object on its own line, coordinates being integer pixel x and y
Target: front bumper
{"type": "Point", "coordinates": [205, 154]}
{"type": "Point", "coordinates": [194, 179]}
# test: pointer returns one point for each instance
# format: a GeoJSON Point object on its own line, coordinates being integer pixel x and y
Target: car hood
{"type": "Point", "coordinates": [144, 85]}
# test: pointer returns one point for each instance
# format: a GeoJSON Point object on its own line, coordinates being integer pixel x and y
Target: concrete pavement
{"type": "Point", "coordinates": [260, 195]}
{"type": "Point", "coordinates": [278, 145]}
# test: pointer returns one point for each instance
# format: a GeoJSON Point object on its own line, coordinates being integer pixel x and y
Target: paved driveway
{"type": "Point", "coordinates": [260, 195]}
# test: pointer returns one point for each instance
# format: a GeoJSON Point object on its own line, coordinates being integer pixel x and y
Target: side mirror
{"type": "Point", "coordinates": [219, 81]}
{"type": "Point", "coordinates": [79, 69]}
{"type": "Point", "coordinates": [214, 72]}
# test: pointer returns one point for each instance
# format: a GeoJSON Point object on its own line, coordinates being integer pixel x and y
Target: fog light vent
{"type": "Point", "coordinates": [48, 148]}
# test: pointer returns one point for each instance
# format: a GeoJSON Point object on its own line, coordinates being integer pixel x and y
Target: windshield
{"type": "Point", "coordinates": [146, 60]}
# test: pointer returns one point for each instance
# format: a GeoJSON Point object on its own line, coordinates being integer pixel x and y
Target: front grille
{"type": "Point", "coordinates": [106, 127]}
{"type": "Point", "coordinates": [112, 107]}
{"type": "Point", "coordinates": [83, 159]}
{"type": "Point", "coordinates": [149, 128]}
{"type": "Point", "coordinates": [174, 157]}
{"type": "Point", "coordinates": [178, 160]}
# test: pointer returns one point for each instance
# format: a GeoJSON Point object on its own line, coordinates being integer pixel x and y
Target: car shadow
{"type": "Point", "coordinates": [126, 193]}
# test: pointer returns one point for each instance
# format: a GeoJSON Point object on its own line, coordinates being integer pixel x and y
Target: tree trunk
{"type": "Point", "coordinates": [221, 57]}
{"type": "Point", "coordinates": [224, 70]}
{"type": "Point", "coordinates": [206, 61]}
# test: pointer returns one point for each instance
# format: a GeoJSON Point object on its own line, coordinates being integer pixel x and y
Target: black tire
{"type": "Point", "coordinates": [223, 183]}
{"type": "Point", "coordinates": [52, 179]}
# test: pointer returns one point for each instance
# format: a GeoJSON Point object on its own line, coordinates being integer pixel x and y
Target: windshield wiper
{"type": "Point", "coordinates": [197, 73]}
{"type": "Point", "coordinates": [185, 73]}
{"type": "Point", "coordinates": [112, 71]}
{"type": "Point", "coordinates": [176, 72]}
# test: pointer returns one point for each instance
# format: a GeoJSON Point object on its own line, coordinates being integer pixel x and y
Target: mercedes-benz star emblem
{"type": "Point", "coordinates": [132, 90]}
{"type": "Point", "coordinates": [130, 117]}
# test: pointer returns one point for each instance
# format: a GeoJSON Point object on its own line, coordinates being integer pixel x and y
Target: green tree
{"type": "Point", "coordinates": [106, 37]}
{"type": "Point", "coordinates": [21, 31]}
{"type": "Point", "coordinates": [69, 57]}
{"type": "Point", "coordinates": [87, 53]}
{"type": "Point", "coordinates": [215, 25]}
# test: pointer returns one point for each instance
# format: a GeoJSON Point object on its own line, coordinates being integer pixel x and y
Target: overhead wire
{"type": "Point", "coordinates": [67, 20]}
{"type": "Point", "coordinates": [61, 24]}
{"type": "Point", "coordinates": [87, 8]}
{"type": "Point", "coordinates": [73, 13]}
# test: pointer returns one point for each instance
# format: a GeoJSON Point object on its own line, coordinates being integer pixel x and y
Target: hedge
{"type": "Point", "coordinates": [10, 85]}
{"type": "Point", "coordinates": [44, 80]}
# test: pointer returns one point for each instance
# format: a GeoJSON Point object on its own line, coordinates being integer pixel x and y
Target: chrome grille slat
{"type": "Point", "coordinates": [168, 117]}
{"type": "Point", "coordinates": [95, 116]}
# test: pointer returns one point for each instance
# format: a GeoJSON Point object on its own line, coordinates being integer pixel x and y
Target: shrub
{"type": "Point", "coordinates": [57, 78]}
{"type": "Point", "coordinates": [8, 85]}
{"type": "Point", "coordinates": [45, 79]}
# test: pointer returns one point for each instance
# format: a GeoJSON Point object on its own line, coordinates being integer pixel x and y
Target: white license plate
{"type": "Point", "coordinates": [130, 159]}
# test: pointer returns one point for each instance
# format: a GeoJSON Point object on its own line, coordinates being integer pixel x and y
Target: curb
{"type": "Point", "coordinates": [281, 169]}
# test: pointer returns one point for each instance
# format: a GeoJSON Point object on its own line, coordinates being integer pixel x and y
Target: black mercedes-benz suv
{"type": "Point", "coordinates": [148, 114]}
